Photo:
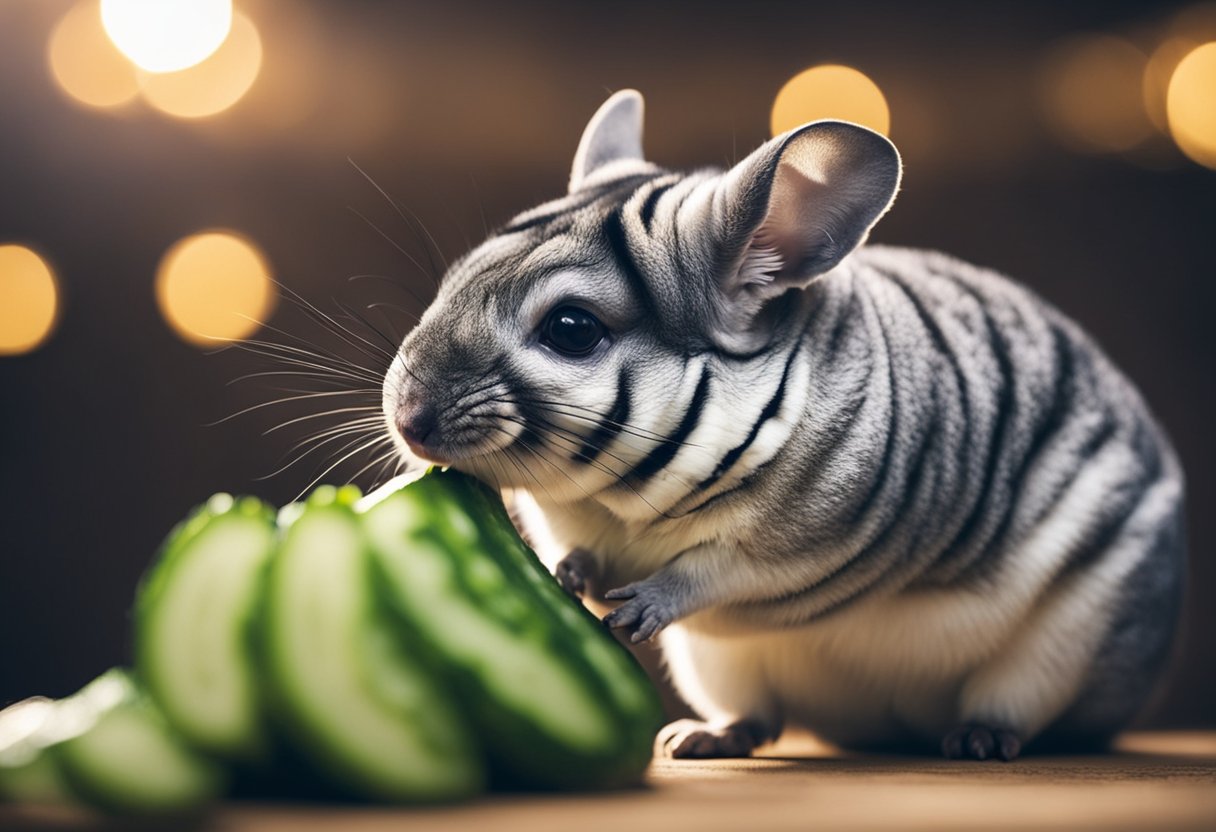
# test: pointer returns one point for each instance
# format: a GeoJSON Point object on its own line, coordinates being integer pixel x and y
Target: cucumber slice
{"type": "Point", "coordinates": [107, 746]}
{"type": "Point", "coordinates": [557, 701]}
{"type": "Point", "coordinates": [27, 773]}
{"type": "Point", "coordinates": [128, 758]}
{"type": "Point", "coordinates": [193, 616]}
{"type": "Point", "coordinates": [357, 705]}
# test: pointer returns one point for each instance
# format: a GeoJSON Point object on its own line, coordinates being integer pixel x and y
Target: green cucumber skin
{"type": "Point", "coordinates": [522, 752]}
{"type": "Point", "coordinates": [629, 691]}
{"type": "Point", "coordinates": [325, 774]}
{"type": "Point", "coordinates": [256, 748]}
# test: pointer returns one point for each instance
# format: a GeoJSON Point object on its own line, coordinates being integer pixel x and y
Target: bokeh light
{"type": "Point", "coordinates": [1157, 75]}
{"type": "Point", "coordinates": [1093, 94]}
{"type": "Point", "coordinates": [1191, 105]}
{"type": "Point", "coordinates": [213, 85]}
{"type": "Point", "coordinates": [166, 35]}
{"type": "Point", "coordinates": [830, 91]}
{"type": "Point", "coordinates": [85, 63]}
{"type": "Point", "coordinates": [214, 287]}
{"type": "Point", "coordinates": [29, 300]}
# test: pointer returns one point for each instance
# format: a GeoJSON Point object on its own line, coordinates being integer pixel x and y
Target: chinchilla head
{"type": "Point", "coordinates": [584, 343]}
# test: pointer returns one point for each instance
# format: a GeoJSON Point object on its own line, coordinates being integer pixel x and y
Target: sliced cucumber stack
{"type": "Point", "coordinates": [353, 699]}
{"type": "Point", "coordinates": [556, 701]}
{"type": "Point", "coordinates": [406, 646]}
{"type": "Point", "coordinates": [193, 617]}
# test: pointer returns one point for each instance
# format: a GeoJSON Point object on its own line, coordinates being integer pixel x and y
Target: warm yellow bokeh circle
{"type": "Point", "coordinates": [1093, 94]}
{"type": "Point", "coordinates": [85, 63]}
{"type": "Point", "coordinates": [1190, 105]}
{"type": "Point", "coordinates": [29, 300]}
{"type": "Point", "coordinates": [830, 91]}
{"type": "Point", "coordinates": [214, 287]}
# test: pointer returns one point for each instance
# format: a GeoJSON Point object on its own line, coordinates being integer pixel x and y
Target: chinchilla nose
{"type": "Point", "coordinates": [417, 421]}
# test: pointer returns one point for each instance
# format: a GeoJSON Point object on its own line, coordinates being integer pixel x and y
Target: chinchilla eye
{"type": "Point", "coordinates": [571, 330]}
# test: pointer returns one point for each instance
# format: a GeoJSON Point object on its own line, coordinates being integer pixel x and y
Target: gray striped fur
{"type": "Point", "coordinates": [878, 494]}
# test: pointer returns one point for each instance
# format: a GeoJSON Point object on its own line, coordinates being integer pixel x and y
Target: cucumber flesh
{"type": "Point", "coordinates": [193, 614]}
{"type": "Point", "coordinates": [355, 703]}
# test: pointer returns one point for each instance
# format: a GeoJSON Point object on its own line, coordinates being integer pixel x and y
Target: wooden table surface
{"type": "Point", "coordinates": [1154, 781]}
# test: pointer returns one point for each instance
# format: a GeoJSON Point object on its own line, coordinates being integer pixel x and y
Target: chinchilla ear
{"type": "Point", "coordinates": [613, 135]}
{"type": "Point", "coordinates": [797, 206]}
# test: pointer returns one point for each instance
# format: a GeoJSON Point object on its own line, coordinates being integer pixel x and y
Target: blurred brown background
{"type": "Point", "coordinates": [1032, 140]}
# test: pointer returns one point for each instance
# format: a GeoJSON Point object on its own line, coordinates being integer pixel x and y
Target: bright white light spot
{"type": "Point", "coordinates": [167, 35]}
{"type": "Point", "coordinates": [214, 85]}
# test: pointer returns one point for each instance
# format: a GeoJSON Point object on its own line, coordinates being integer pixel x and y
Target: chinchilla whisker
{"type": "Point", "coordinates": [277, 350]}
{"type": "Point", "coordinates": [309, 445]}
{"type": "Point", "coordinates": [355, 317]}
{"type": "Point", "coordinates": [361, 448]}
{"type": "Point", "coordinates": [326, 377]}
{"type": "Point", "coordinates": [376, 418]}
{"type": "Point", "coordinates": [618, 477]}
{"type": "Point", "coordinates": [391, 466]}
{"type": "Point", "coordinates": [580, 440]}
{"type": "Point", "coordinates": [326, 320]}
{"type": "Point", "coordinates": [394, 307]}
{"type": "Point", "coordinates": [481, 208]}
{"type": "Point", "coordinates": [599, 415]}
{"type": "Point", "coordinates": [299, 455]}
{"type": "Point", "coordinates": [521, 466]}
{"type": "Point", "coordinates": [291, 356]}
{"type": "Point", "coordinates": [286, 400]}
{"type": "Point", "coordinates": [401, 212]}
{"type": "Point", "coordinates": [324, 436]}
{"type": "Point", "coordinates": [397, 284]}
{"type": "Point", "coordinates": [401, 249]}
{"type": "Point", "coordinates": [376, 460]}
{"type": "Point", "coordinates": [347, 336]}
{"type": "Point", "coordinates": [625, 426]}
{"type": "Point", "coordinates": [269, 348]}
{"type": "Point", "coordinates": [573, 442]}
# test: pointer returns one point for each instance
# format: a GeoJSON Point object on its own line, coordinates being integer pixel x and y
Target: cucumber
{"type": "Point", "coordinates": [107, 746]}
{"type": "Point", "coordinates": [193, 616]}
{"type": "Point", "coordinates": [557, 701]}
{"type": "Point", "coordinates": [351, 697]}
{"type": "Point", "coordinates": [129, 759]}
{"type": "Point", "coordinates": [27, 773]}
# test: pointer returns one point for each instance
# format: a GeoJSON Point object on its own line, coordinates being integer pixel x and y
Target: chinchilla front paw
{"type": "Point", "coordinates": [648, 608]}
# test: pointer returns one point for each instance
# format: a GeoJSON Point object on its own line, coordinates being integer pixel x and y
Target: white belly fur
{"type": "Point", "coordinates": [867, 674]}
